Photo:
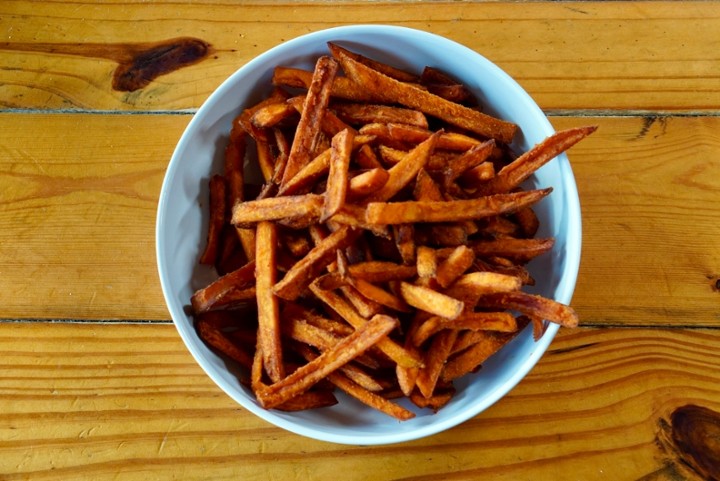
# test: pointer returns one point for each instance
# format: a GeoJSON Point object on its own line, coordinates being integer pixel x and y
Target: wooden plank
{"type": "Point", "coordinates": [648, 189]}
{"type": "Point", "coordinates": [568, 55]}
{"type": "Point", "coordinates": [86, 186]}
{"type": "Point", "coordinates": [124, 401]}
{"type": "Point", "coordinates": [77, 214]}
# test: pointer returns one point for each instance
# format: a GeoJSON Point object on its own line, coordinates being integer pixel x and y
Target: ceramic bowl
{"type": "Point", "coordinates": [182, 221]}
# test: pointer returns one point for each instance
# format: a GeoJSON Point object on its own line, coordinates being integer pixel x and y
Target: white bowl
{"type": "Point", "coordinates": [182, 220]}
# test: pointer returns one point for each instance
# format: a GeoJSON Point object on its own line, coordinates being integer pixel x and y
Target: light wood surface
{"type": "Point", "coordinates": [95, 382]}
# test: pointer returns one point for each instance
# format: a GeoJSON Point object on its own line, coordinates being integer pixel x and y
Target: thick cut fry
{"type": "Point", "coordinates": [276, 208]}
{"type": "Point", "coordinates": [531, 305]}
{"type": "Point", "coordinates": [215, 338]}
{"type": "Point", "coordinates": [450, 211]}
{"type": "Point", "coordinates": [379, 295]}
{"type": "Point", "coordinates": [272, 114]}
{"type": "Point", "coordinates": [204, 299]}
{"type": "Point", "coordinates": [217, 220]}
{"type": "Point", "coordinates": [389, 90]}
{"type": "Point", "coordinates": [268, 307]}
{"type": "Point", "coordinates": [310, 266]}
{"type": "Point", "coordinates": [474, 321]}
{"type": "Point", "coordinates": [355, 113]}
{"type": "Point", "coordinates": [454, 266]}
{"type": "Point", "coordinates": [329, 361]}
{"type": "Point", "coordinates": [521, 250]}
{"type": "Point", "coordinates": [431, 301]}
{"type": "Point", "coordinates": [513, 174]}
{"type": "Point", "coordinates": [367, 182]}
{"type": "Point", "coordinates": [337, 184]}
{"type": "Point", "coordinates": [380, 271]}
{"type": "Point", "coordinates": [314, 108]}
{"type": "Point", "coordinates": [426, 261]}
{"type": "Point", "coordinates": [342, 87]}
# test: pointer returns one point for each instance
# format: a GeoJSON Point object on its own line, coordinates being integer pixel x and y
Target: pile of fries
{"type": "Point", "coordinates": [385, 253]}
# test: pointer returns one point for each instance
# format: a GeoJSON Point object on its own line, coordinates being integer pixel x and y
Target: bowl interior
{"type": "Point", "coordinates": [182, 220]}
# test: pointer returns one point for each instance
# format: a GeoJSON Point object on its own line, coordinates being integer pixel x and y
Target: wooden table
{"type": "Point", "coordinates": [95, 382]}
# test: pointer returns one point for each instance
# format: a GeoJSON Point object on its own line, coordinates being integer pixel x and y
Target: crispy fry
{"type": "Point", "coordinates": [215, 338]}
{"type": "Point", "coordinates": [533, 306]}
{"type": "Point", "coordinates": [268, 306]}
{"type": "Point", "coordinates": [380, 271]}
{"type": "Point", "coordinates": [431, 301]}
{"type": "Point", "coordinates": [314, 108]}
{"type": "Point", "coordinates": [450, 211]}
{"type": "Point", "coordinates": [427, 262]}
{"type": "Point", "coordinates": [521, 250]}
{"type": "Point", "coordinates": [276, 208]}
{"type": "Point", "coordinates": [217, 219]}
{"type": "Point", "coordinates": [474, 321]}
{"type": "Point", "coordinates": [355, 113]}
{"type": "Point", "coordinates": [337, 184]}
{"type": "Point", "coordinates": [513, 174]}
{"type": "Point", "coordinates": [454, 266]}
{"type": "Point", "coordinates": [435, 360]}
{"type": "Point", "coordinates": [386, 89]}
{"type": "Point", "coordinates": [204, 299]}
{"type": "Point", "coordinates": [367, 182]}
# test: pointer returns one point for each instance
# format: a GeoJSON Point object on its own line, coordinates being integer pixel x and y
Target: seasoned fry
{"type": "Point", "coordinates": [387, 89]}
{"type": "Point", "coordinates": [337, 184]}
{"type": "Point", "coordinates": [314, 108]}
{"type": "Point", "coordinates": [450, 211]}
{"type": "Point", "coordinates": [276, 208]}
{"type": "Point", "coordinates": [217, 219]}
{"type": "Point", "coordinates": [355, 113]}
{"type": "Point", "coordinates": [368, 182]}
{"type": "Point", "coordinates": [268, 306]}
{"type": "Point", "coordinates": [531, 305]}
{"type": "Point", "coordinates": [204, 299]}
{"type": "Point", "coordinates": [431, 301]}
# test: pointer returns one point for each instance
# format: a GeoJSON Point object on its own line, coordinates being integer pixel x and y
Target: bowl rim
{"type": "Point", "coordinates": [573, 243]}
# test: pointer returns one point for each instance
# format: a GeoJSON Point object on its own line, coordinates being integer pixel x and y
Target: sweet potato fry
{"type": "Point", "coordinates": [268, 306]}
{"type": "Point", "coordinates": [386, 89]}
{"type": "Point", "coordinates": [251, 212]}
{"type": "Point", "coordinates": [217, 207]}
{"type": "Point", "coordinates": [342, 87]}
{"type": "Point", "coordinates": [474, 321]}
{"type": "Point", "coordinates": [314, 108]}
{"type": "Point", "coordinates": [367, 182]}
{"type": "Point", "coordinates": [386, 69]}
{"type": "Point", "coordinates": [435, 360]}
{"type": "Point", "coordinates": [513, 174]}
{"type": "Point", "coordinates": [454, 266]}
{"type": "Point", "coordinates": [329, 361]}
{"type": "Point", "coordinates": [521, 250]}
{"type": "Point", "coordinates": [431, 301]}
{"type": "Point", "coordinates": [220, 342]}
{"type": "Point", "coordinates": [449, 211]}
{"type": "Point", "coordinates": [337, 184]}
{"type": "Point", "coordinates": [361, 113]}
{"type": "Point", "coordinates": [381, 271]}
{"type": "Point", "coordinates": [204, 299]}
{"type": "Point", "coordinates": [532, 306]}
{"type": "Point", "coordinates": [380, 295]}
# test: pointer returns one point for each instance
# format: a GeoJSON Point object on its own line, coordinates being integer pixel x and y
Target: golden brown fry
{"type": "Point", "coordinates": [342, 87]}
{"type": "Point", "coordinates": [380, 295]}
{"type": "Point", "coordinates": [276, 208]}
{"type": "Point", "coordinates": [532, 306]}
{"type": "Point", "coordinates": [381, 271]}
{"type": "Point", "coordinates": [337, 184]}
{"type": "Point", "coordinates": [314, 108]}
{"type": "Point", "coordinates": [385, 68]}
{"type": "Point", "coordinates": [386, 89]}
{"type": "Point", "coordinates": [217, 219]}
{"type": "Point", "coordinates": [450, 211]}
{"type": "Point", "coordinates": [431, 301]}
{"type": "Point", "coordinates": [356, 113]}
{"type": "Point", "coordinates": [367, 182]}
{"type": "Point", "coordinates": [204, 299]}
{"type": "Point", "coordinates": [454, 266]}
{"type": "Point", "coordinates": [267, 304]}
{"type": "Point", "coordinates": [427, 262]}
{"type": "Point", "coordinates": [520, 250]}
{"type": "Point", "coordinates": [329, 361]}
{"type": "Point", "coordinates": [474, 321]}
{"type": "Point", "coordinates": [435, 359]}
{"type": "Point", "coordinates": [513, 174]}
{"type": "Point", "coordinates": [472, 357]}
{"type": "Point", "coordinates": [272, 114]}
{"type": "Point", "coordinates": [215, 338]}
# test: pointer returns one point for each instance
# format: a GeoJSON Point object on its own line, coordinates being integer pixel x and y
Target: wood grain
{"type": "Point", "coordinates": [124, 401]}
{"type": "Point", "coordinates": [568, 55]}
{"type": "Point", "coordinates": [77, 216]}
